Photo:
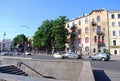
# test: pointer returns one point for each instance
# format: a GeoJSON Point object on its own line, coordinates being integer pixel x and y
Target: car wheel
{"type": "Point", "coordinates": [66, 57]}
{"type": "Point", "coordinates": [91, 58]}
{"type": "Point", "coordinates": [103, 59]}
{"type": "Point", "coordinates": [63, 57]}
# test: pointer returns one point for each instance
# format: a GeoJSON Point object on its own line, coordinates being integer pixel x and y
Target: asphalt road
{"type": "Point", "coordinates": [106, 71]}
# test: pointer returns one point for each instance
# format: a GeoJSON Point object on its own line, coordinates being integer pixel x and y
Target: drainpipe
{"type": "Point", "coordinates": [108, 32]}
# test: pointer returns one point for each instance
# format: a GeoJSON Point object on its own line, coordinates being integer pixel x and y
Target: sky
{"type": "Point", "coordinates": [25, 16]}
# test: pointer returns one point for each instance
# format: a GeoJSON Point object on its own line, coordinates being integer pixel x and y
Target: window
{"type": "Point", "coordinates": [98, 28]}
{"type": "Point", "coordinates": [73, 23]}
{"type": "Point", "coordinates": [112, 16]}
{"type": "Point", "coordinates": [119, 33]}
{"type": "Point", "coordinates": [93, 21]}
{"type": "Point", "coordinates": [115, 51]}
{"type": "Point", "coordinates": [98, 38]}
{"type": "Point", "coordinates": [86, 30]}
{"type": "Point", "coordinates": [98, 18]}
{"type": "Point", "coordinates": [79, 22]}
{"type": "Point", "coordinates": [114, 42]}
{"type": "Point", "coordinates": [86, 20]}
{"type": "Point", "coordinates": [114, 33]}
{"type": "Point", "coordinates": [95, 39]}
{"type": "Point", "coordinates": [94, 50]}
{"type": "Point", "coordinates": [118, 15]}
{"type": "Point", "coordinates": [79, 31]}
{"type": "Point", "coordinates": [102, 38]}
{"type": "Point", "coordinates": [68, 26]}
{"type": "Point", "coordinates": [113, 24]}
{"type": "Point", "coordinates": [86, 40]}
{"type": "Point", "coordinates": [119, 24]}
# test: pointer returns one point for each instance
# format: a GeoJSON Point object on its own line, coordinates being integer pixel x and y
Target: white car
{"type": "Point", "coordinates": [4, 53]}
{"type": "Point", "coordinates": [71, 55]}
{"type": "Point", "coordinates": [28, 53]}
{"type": "Point", "coordinates": [58, 55]}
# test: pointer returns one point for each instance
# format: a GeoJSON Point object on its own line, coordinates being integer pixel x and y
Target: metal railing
{"type": "Point", "coordinates": [20, 63]}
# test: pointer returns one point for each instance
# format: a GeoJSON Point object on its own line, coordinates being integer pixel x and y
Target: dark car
{"type": "Point", "coordinates": [100, 56]}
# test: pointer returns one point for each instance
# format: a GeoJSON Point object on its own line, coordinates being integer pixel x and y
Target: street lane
{"type": "Point", "coordinates": [106, 71]}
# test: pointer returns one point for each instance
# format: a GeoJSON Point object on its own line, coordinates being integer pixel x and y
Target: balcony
{"type": "Point", "coordinates": [94, 24]}
{"type": "Point", "coordinates": [73, 27]}
{"type": "Point", "coordinates": [101, 44]}
{"type": "Point", "coordinates": [100, 33]}
{"type": "Point", "coordinates": [73, 35]}
{"type": "Point", "coordinates": [118, 46]}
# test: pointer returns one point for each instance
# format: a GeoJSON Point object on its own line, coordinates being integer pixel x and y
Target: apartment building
{"type": "Point", "coordinates": [98, 31]}
{"type": "Point", "coordinates": [88, 34]}
{"type": "Point", "coordinates": [114, 31]}
{"type": "Point", "coordinates": [79, 30]}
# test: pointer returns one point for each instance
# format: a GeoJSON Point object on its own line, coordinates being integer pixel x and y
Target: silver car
{"type": "Point", "coordinates": [100, 56]}
{"type": "Point", "coordinates": [71, 55]}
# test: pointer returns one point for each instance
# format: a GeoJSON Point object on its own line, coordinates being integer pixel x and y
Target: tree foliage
{"type": "Point", "coordinates": [51, 33]}
{"type": "Point", "coordinates": [19, 40]}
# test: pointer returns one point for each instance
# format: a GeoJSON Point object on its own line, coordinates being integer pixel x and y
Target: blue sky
{"type": "Point", "coordinates": [25, 16]}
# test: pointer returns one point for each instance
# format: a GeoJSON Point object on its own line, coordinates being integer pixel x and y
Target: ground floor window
{"type": "Point", "coordinates": [115, 51]}
{"type": "Point", "coordinates": [94, 50]}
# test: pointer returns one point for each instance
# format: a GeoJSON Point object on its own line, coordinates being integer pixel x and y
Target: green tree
{"type": "Point", "coordinates": [19, 41]}
{"type": "Point", "coordinates": [60, 33]}
{"type": "Point", "coordinates": [42, 37]}
{"type": "Point", "coordinates": [51, 33]}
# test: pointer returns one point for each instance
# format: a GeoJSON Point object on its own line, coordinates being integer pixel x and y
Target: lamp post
{"type": "Point", "coordinates": [3, 40]}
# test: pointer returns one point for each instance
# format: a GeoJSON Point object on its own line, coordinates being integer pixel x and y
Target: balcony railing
{"type": "Point", "coordinates": [94, 24]}
{"type": "Point", "coordinates": [100, 33]}
{"type": "Point", "coordinates": [101, 44]}
{"type": "Point", "coordinates": [73, 27]}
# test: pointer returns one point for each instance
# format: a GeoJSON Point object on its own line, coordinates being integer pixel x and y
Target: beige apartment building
{"type": "Point", "coordinates": [88, 34]}
{"type": "Point", "coordinates": [114, 31]}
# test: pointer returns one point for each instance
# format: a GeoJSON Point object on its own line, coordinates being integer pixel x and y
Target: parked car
{"type": "Point", "coordinates": [4, 53]}
{"type": "Point", "coordinates": [70, 55]}
{"type": "Point", "coordinates": [100, 56]}
{"type": "Point", "coordinates": [58, 55]}
{"type": "Point", "coordinates": [28, 53]}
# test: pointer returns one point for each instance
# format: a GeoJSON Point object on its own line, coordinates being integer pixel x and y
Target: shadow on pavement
{"type": "Point", "coordinates": [100, 75]}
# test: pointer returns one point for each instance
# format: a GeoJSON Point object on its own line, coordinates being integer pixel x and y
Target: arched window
{"type": "Point", "coordinates": [86, 30]}
{"type": "Point", "coordinates": [93, 21]}
{"type": "Point", "coordinates": [79, 31]}
{"type": "Point", "coordinates": [86, 20]}
{"type": "Point", "coordinates": [102, 38]}
{"type": "Point", "coordinates": [79, 22]}
{"type": "Point", "coordinates": [73, 23]}
{"type": "Point", "coordinates": [95, 39]}
{"type": "Point", "coordinates": [68, 25]}
{"type": "Point", "coordinates": [98, 18]}
{"type": "Point", "coordinates": [86, 40]}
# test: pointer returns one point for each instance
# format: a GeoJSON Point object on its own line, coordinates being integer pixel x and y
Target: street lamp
{"type": "Point", "coordinates": [3, 40]}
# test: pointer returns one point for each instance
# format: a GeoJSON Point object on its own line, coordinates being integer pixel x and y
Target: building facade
{"type": "Point", "coordinates": [114, 31]}
{"type": "Point", "coordinates": [90, 33]}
